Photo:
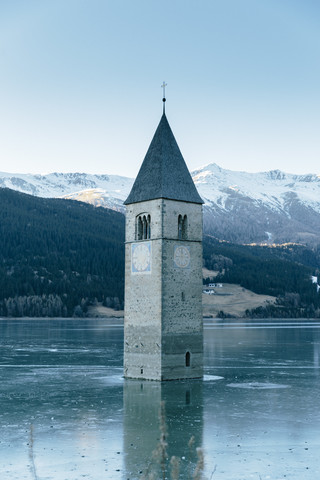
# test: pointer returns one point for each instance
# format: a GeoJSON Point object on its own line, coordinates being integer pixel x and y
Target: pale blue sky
{"type": "Point", "coordinates": [80, 83]}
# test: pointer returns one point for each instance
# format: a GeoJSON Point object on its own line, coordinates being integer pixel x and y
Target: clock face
{"type": "Point", "coordinates": [141, 257]}
{"type": "Point", "coordinates": [181, 256]}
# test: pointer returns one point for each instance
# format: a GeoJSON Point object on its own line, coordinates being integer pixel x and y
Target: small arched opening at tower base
{"type": "Point", "coordinates": [188, 359]}
{"type": "Point", "coordinates": [182, 227]}
{"type": "Point", "coordinates": [143, 227]}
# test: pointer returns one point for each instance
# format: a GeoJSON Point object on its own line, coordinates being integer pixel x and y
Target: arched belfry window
{"type": "Point", "coordinates": [182, 227]}
{"type": "Point", "coordinates": [139, 228]}
{"type": "Point", "coordinates": [148, 226]}
{"type": "Point", "coordinates": [185, 227]}
{"type": "Point", "coordinates": [143, 227]}
{"type": "Point", "coordinates": [144, 223]}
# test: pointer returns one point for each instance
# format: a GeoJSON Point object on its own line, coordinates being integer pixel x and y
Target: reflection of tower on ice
{"type": "Point", "coordinates": [152, 409]}
{"type": "Point", "coordinates": [163, 269]}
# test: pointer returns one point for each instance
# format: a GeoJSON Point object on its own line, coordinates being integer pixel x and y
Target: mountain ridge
{"type": "Point", "coordinates": [265, 207]}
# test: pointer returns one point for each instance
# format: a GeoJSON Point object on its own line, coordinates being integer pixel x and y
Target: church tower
{"type": "Point", "coordinates": [163, 333]}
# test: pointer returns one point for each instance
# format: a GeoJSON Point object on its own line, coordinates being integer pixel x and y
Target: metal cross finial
{"type": "Point", "coordinates": [164, 89]}
{"type": "Point", "coordinates": [164, 95]}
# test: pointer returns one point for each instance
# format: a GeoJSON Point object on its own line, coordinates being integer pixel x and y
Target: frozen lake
{"type": "Point", "coordinates": [66, 413]}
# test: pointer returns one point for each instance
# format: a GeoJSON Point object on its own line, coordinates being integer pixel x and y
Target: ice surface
{"type": "Point", "coordinates": [257, 385]}
{"type": "Point", "coordinates": [211, 378]}
{"type": "Point", "coordinates": [67, 413]}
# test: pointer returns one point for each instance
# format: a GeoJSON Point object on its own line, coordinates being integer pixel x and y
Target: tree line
{"type": "Point", "coordinates": [58, 256]}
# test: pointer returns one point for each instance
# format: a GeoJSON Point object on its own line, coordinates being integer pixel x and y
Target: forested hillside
{"type": "Point", "coordinates": [283, 271]}
{"type": "Point", "coordinates": [57, 256]}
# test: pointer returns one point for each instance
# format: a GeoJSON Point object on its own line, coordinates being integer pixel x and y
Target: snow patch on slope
{"type": "Point", "coordinates": [264, 201]}
{"type": "Point", "coordinates": [273, 188]}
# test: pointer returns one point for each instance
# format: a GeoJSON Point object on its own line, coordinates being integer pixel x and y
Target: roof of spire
{"type": "Point", "coordinates": [163, 173]}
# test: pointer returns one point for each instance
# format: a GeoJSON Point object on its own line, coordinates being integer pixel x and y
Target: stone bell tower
{"type": "Point", "coordinates": [163, 333]}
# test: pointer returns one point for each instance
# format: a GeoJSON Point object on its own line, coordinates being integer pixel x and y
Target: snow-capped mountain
{"type": "Point", "coordinates": [272, 188]}
{"type": "Point", "coordinates": [99, 198]}
{"type": "Point", "coordinates": [242, 207]}
{"type": "Point", "coordinates": [100, 190]}
{"type": "Point", "coordinates": [261, 207]}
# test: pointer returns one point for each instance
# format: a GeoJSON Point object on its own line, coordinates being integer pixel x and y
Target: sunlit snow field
{"type": "Point", "coordinates": [66, 413]}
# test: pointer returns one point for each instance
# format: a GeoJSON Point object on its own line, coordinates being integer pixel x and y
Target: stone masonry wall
{"type": "Point", "coordinates": [182, 323]}
{"type": "Point", "coordinates": [143, 305]}
{"type": "Point", "coordinates": [163, 310]}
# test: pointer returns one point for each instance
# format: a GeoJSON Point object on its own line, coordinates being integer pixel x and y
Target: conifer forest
{"type": "Point", "coordinates": [59, 256]}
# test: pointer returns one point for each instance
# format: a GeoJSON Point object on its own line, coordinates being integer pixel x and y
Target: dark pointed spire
{"type": "Point", "coordinates": [163, 173]}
